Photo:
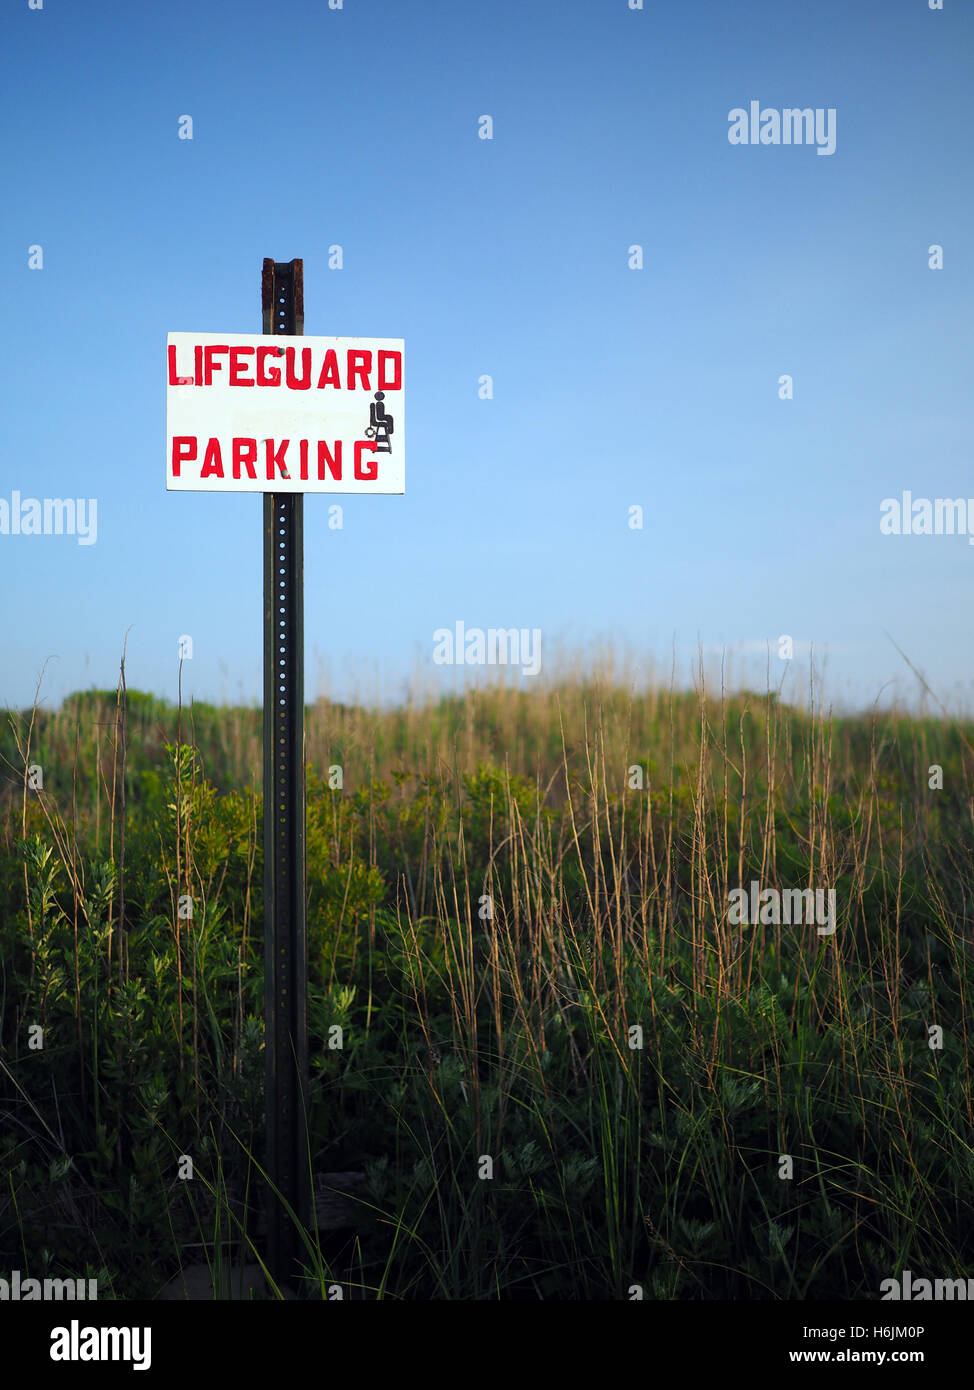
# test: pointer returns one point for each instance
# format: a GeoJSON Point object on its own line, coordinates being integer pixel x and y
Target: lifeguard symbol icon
{"type": "Point", "coordinates": [381, 425]}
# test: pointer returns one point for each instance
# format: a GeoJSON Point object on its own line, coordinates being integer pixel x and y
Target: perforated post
{"type": "Point", "coordinates": [285, 931]}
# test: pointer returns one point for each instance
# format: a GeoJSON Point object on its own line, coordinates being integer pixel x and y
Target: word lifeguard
{"type": "Point", "coordinates": [296, 368]}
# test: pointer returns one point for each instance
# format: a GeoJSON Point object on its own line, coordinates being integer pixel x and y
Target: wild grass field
{"type": "Point", "coordinates": [498, 916]}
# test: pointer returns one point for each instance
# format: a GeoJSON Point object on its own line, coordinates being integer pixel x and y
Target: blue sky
{"type": "Point", "coordinates": [508, 257]}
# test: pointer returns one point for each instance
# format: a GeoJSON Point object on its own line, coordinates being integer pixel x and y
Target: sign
{"type": "Point", "coordinates": [252, 412]}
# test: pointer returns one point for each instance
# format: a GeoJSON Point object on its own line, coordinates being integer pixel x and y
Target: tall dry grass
{"type": "Point", "coordinates": [518, 914]}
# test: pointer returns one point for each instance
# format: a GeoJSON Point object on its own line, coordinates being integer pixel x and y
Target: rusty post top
{"type": "Point", "coordinates": [267, 285]}
{"type": "Point", "coordinates": [296, 269]}
{"type": "Point", "coordinates": [297, 284]}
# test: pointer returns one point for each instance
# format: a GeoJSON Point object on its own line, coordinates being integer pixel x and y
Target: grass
{"type": "Point", "coordinates": [562, 1071]}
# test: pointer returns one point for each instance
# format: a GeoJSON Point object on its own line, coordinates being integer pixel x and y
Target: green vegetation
{"type": "Point", "coordinates": [508, 1036]}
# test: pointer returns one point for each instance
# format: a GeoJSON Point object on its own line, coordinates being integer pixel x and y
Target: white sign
{"type": "Point", "coordinates": [253, 412]}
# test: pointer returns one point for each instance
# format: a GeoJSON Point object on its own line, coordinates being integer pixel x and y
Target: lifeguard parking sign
{"type": "Point", "coordinates": [252, 412]}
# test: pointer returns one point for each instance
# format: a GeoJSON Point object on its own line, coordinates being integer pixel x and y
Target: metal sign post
{"type": "Point", "coordinates": [246, 414]}
{"type": "Point", "coordinates": [285, 928]}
